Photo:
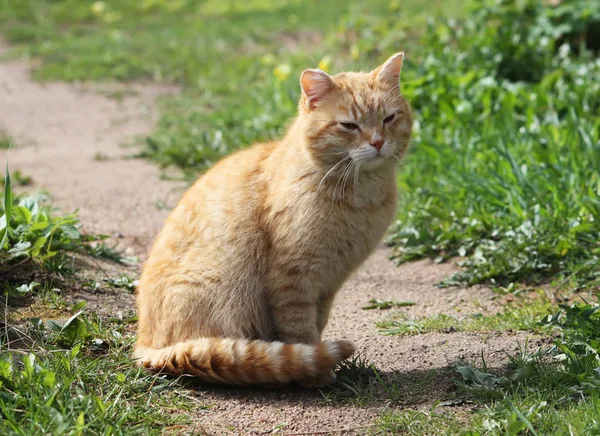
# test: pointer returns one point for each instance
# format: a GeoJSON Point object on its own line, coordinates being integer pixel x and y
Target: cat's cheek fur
{"type": "Point", "coordinates": [387, 150]}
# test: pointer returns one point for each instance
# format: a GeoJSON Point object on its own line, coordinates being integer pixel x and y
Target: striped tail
{"type": "Point", "coordinates": [248, 362]}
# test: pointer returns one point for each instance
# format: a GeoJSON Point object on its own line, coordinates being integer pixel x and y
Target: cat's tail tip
{"type": "Point", "coordinates": [345, 349]}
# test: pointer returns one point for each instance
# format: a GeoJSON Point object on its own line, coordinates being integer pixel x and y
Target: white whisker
{"type": "Point", "coordinates": [340, 180]}
{"type": "Point", "coordinates": [397, 158]}
{"type": "Point", "coordinates": [356, 171]}
{"type": "Point", "coordinates": [387, 93]}
{"type": "Point", "coordinates": [389, 102]}
{"type": "Point", "coordinates": [332, 168]}
{"type": "Point", "coordinates": [347, 174]}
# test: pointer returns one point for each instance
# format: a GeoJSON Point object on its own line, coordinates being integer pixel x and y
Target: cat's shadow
{"type": "Point", "coordinates": [359, 386]}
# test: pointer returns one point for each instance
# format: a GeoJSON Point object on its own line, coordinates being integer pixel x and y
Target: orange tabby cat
{"type": "Point", "coordinates": [239, 283]}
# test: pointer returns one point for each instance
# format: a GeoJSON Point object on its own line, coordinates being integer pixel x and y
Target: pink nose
{"type": "Point", "coordinates": [377, 144]}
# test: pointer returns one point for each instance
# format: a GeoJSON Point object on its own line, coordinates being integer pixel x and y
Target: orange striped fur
{"type": "Point", "coordinates": [240, 282]}
{"type": "Point", "coordinates": [246, 362]}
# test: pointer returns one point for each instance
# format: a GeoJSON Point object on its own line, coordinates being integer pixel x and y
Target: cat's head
{"type": "Point", "coordinates": [359, 117]}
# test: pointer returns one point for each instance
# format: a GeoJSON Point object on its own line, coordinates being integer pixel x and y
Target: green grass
{"type": "Point", "coordinates": [5, 140]}
{"type": "Point", "coordinates": [384, 304]}
{"type": "Point", "coordinates": [122, 282]}
{"type": "Point", "coordinates": [19, 179]}
{"type": "Point", "coordinates": [534, 395]}
{"type": "Point", "coordinates": [416, 422]}
{"type": "Point", "coordinates": [202, 45]}
{"type": "Point", "coordinates": [537, 395]}
{"type": "Point", "coordinates": [523, 316]}
{"type": "Point", "coordinates": [513, 416]}
{"type": "Point", "coordinates": [37, 235]}
{"type": "Point", "coordinates": [360, 383]}
{"type": "Point", "coordinates": [32, 234]}
{"type": "Point", "coordinates": [504, 173]}
{"type": "Point", "coordinates": [549, 391]}
{"type": "Point", "coordinates": [76, 377]}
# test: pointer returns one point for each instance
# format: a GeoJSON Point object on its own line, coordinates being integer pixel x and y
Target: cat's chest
{"type": "Point", "coordinates": [322, 236]}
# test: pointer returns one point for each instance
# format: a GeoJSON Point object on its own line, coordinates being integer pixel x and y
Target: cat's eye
{"type": "Point", "coordinates": [350, 126]}
{"type": "Point", "coordinates": [389, 119]}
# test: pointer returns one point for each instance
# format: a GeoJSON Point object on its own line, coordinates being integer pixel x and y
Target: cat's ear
{"type": "Point", "coordinates": [389, 72]}
{"type": "Point", "coordinates": [315, 85]}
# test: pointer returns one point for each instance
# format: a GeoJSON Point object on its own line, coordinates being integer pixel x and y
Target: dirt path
{"type": "Point", "coordinates": [68, 138]}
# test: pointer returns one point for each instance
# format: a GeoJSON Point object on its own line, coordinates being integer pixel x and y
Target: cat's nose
{"type": "Point", "coordinates": [377, 143]}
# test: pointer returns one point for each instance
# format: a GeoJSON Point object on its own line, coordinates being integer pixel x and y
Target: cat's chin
{"type": "Point", "coordinates": [373, 163]}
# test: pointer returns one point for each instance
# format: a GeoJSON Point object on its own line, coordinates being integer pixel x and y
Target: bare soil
{"type": "Point", "coordinates": [68, 137]}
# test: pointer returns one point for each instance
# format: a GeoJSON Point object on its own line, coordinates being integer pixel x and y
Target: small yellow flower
{"type": "Point", "coordinates": [394, 5]}
{"type": "Point", "coordinates": [282, 71]}
{"type": "Point", "coordinates": [267, 59]}
{"type": "Point", "coordinates": [98, 8]}
{"type": "Point", "coordinates": [564, 251]}
{"type": "Point", "coordinates": [325, 63]}
{"type": "Point", "coordinates": [354, 52]}
{"type": "Point", "coordinates": [146, 5]}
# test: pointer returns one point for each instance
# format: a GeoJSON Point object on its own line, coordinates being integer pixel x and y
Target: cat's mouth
{"type": "Point", "coordinates": [372, 162]}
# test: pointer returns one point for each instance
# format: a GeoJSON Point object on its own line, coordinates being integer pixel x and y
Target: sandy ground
{"type": "Point", "coordinates": [68, 138]}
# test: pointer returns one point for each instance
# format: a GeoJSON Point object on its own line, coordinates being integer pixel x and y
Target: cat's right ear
{"type": "Point", "coordinates": [315, 85]}
{"type": "Point", "coordinates": [389, 72]}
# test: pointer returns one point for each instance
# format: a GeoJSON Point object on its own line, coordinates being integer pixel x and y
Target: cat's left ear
{"type": "Point", "coordinates": [389, 72]}
{"type": "Point", "coordinates": [315, 85]}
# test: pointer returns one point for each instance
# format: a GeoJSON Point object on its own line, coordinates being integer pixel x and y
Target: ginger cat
{"type": "Point", "coordinates": [240, 282]}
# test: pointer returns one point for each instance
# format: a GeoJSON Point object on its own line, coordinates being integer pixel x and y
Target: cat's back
{"type": "Point", "coordinates": [217, 207]}
{"type": "Point", "coordinates": [232, 175]}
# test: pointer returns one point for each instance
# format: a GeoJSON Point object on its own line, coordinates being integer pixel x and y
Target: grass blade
{"type": "Point", "coordinates": [524, 420]}
{"type": "Point", "coordinates": [7, 208]}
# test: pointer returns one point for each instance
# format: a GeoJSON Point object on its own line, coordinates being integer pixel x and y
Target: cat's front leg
{"type": "Point", "coordinates": [296, 321]}
{"type": "Point", "coordinates": [294, 318]}
{"type": "Point", "coordinates": [323, 311]}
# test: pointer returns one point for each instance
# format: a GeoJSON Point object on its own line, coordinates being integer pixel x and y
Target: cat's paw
{"type": "Point", "coordinates": [319, 382]}
{"type": "Point", "coordinates": [160, 363]}
{"type": "Point", "coordinates": [154, 364]}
